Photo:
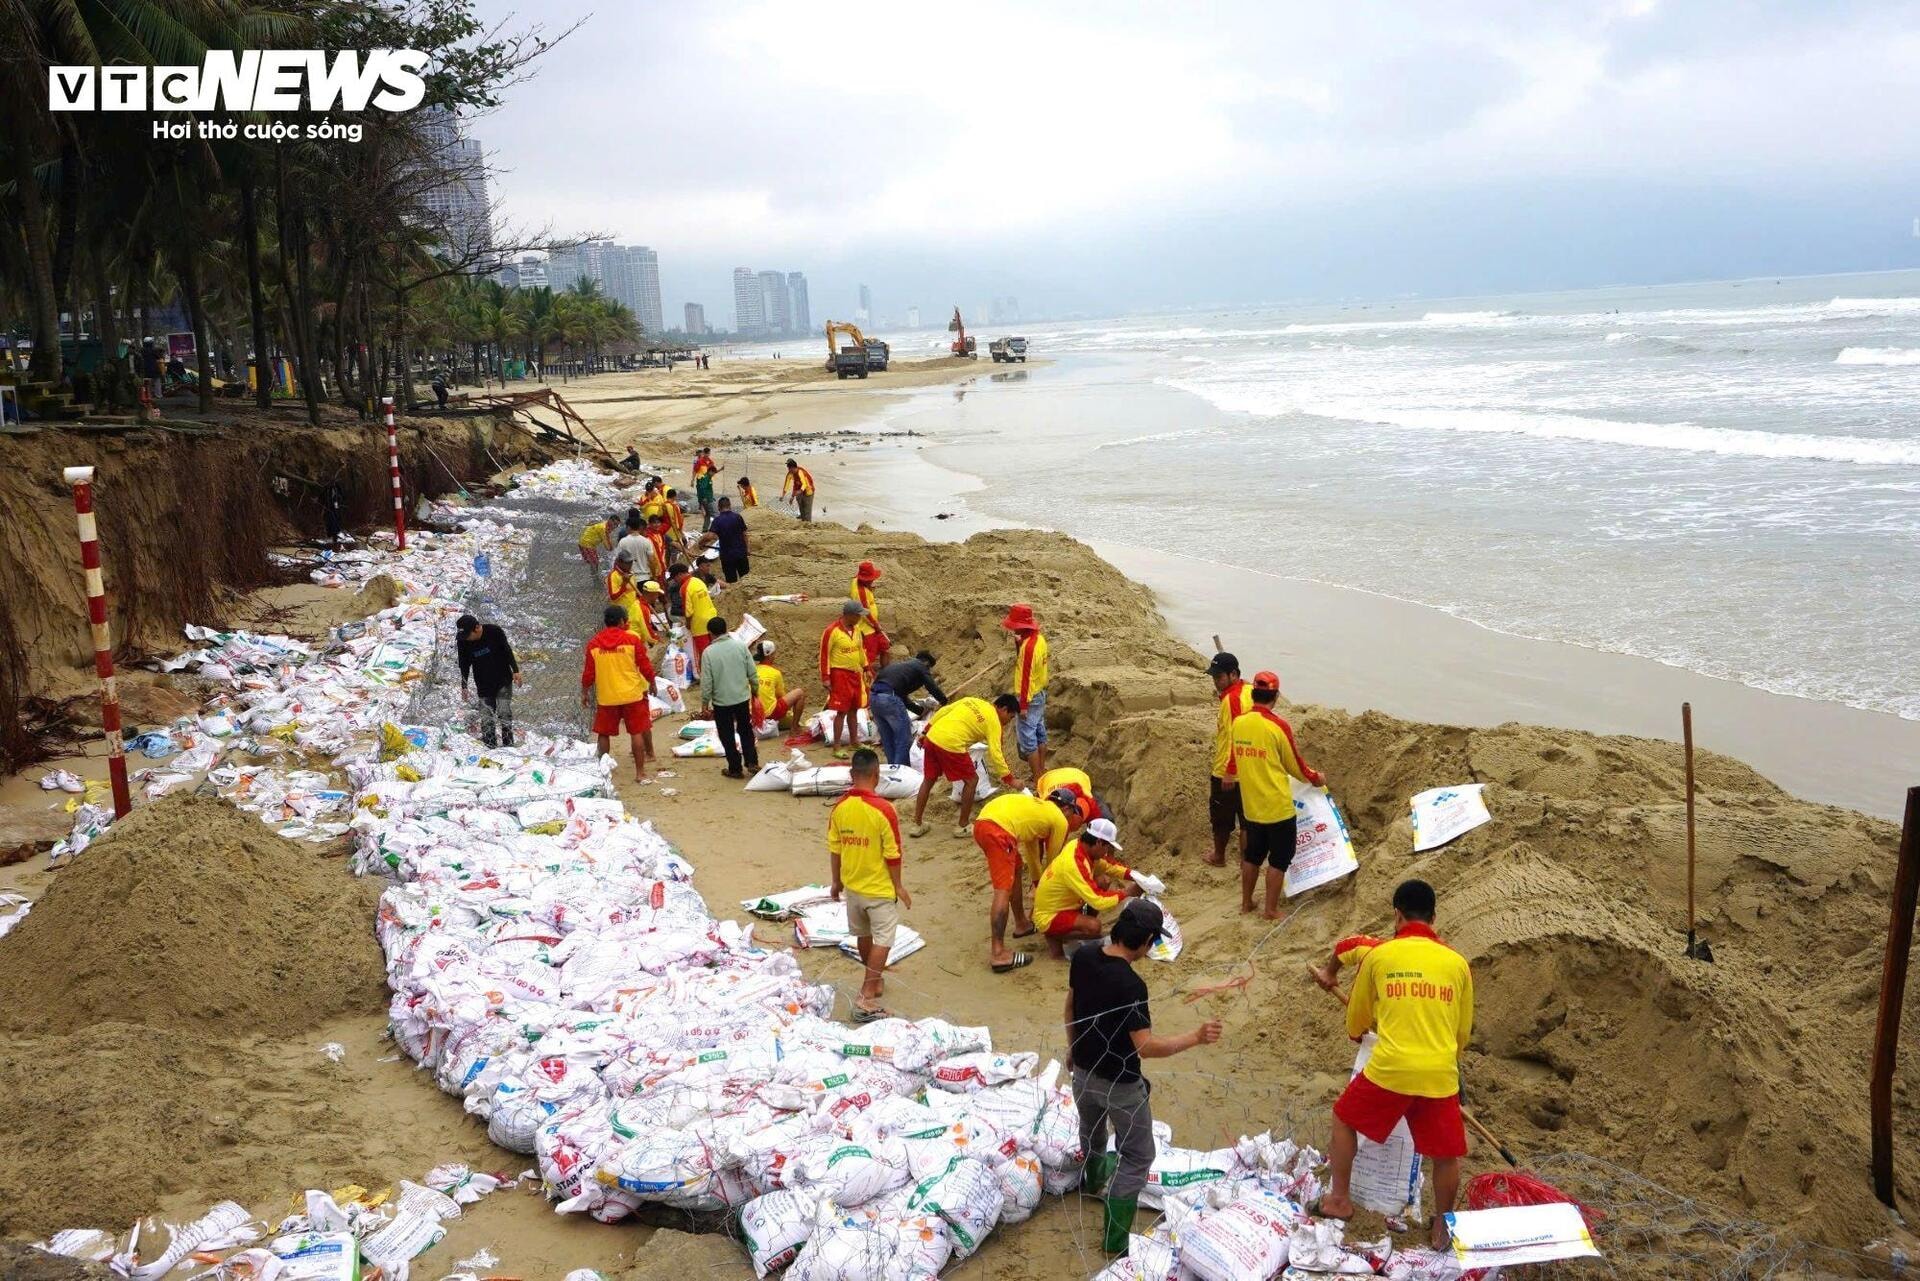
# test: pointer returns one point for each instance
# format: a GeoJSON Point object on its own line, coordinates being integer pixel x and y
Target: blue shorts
{"type": "Point", "coordinates": [1030, 729]}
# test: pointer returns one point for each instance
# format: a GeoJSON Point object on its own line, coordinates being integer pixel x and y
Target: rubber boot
{"type": "Point", "coordinates": [1099, 1169]}
{"type": "Point", "coordinates": [1119, 1223]}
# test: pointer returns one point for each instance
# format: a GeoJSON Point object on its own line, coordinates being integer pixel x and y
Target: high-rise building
{"type": "Point", "coordinates": [643, 268]}
{"type": "Point", "coordinates": [797, 291]}
{"type": "Point", "coordinates": [457, 201]}
{"type": "Point", "coordinates": [532, 270]}
{"type": "Point", "coordinates": [913, 318]}
{"type": "Point", "coordinates": [749, 314]}
{"type": "Point", "coordinates": [628, 274]}
{"type": "Point", "coordinates": [866, 304]}
{"type": "Point", "coordinates": [696, 319]}
{"type": "Point", "coordinates": [776, 305]}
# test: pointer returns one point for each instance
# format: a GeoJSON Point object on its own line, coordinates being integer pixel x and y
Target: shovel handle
{"type": "Point", "coordinates": [1473, 1122]}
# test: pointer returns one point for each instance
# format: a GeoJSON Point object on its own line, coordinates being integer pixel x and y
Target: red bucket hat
{"type": "Point", "coordinates": [868, 572]}
{"type": "Point", "coordinates": [1020, 619]}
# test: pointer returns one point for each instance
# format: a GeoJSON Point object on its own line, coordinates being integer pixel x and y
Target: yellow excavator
{"type": "Point", "coordinates": [859, 356]}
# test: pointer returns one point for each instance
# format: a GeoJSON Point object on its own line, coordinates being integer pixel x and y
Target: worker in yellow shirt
{"type": "Point", "coordinates": [1415, 994]}
{"type": "Point", "coordinates": [799, 487]}
{"type": "Point", "coordinates": [945, 752]}
{"type": "Point", "coordinates": [843, 670]}
{"type": "Point", "coordinates": [676, 519]}
{"type": "Point", "coordinates": [749, 496]}
{"type": "Point", "coordinates": [1223, 802]}
{"type": "Point", "coordinates": [863, 856]}
{"type": "Point", "coordinates": [623, 588]}
{"type": "Point", "coordinates": [1081, 887]}
{"type": "Point", "coordinates": [1264, 758]}
{"type": "Point", "coordinates": [1077, 782]}
{"type": "Point", "coordinates": [871, 635]}
{"type": "Point", "coordinates": [1019, 834]}
{"type": "Point", "coordinates": [696, 602]}
{"type": "Point", "coordinates": [652, 599]}
{"type": "Point", "coordinates": [1347, 954]}
{"type": "Point", "coordinates": [776, 703]}
{"type": "Point", "coordinates": [599, 537]}
{"type": "Point", "coordinates": [1029, 685]}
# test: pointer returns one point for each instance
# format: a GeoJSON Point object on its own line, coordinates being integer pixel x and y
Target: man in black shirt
{"type": "Point", "coordinates": [487, 655]}
{"type": "Point", "coordinates": [893, 689]}
{"type": "Point", "coordinates": [1109, 1030]}
{"type": "Point", "coordinates": [730, 531]}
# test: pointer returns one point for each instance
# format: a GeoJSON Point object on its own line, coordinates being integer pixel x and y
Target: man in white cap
{"type": "Point", "coordinates": [1082, 889]}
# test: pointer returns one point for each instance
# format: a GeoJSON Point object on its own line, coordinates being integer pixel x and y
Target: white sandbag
{"type": "Point", "coordinates": [851, 1174]}
{"type": "Point", "coordinates": [700, 747]}
{"type": "Point", "coordinates": [1322, 849]}
{"type": "Point", "coordinates": [965, 1194]}
{"type": "Point", "coordinates": [1020, 1183]}
{"type": "Point", "coordinates": [898, 782]}
{"type": "Point", "coordinates": [774, 777]}
{"type": "Point", "coordinates": [965, 1073]}
{"type": "Point", "coordinates": [775, 1226]}
{"type": "Point", "coordinates": [822, 780]}
{"type": "Point", "coordinates": [1245, 1241]}
{"type": "Point", "coordinates": [1184, 1172]}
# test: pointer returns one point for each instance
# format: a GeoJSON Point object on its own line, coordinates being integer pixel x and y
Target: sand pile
{"type": "Point", "coordinates": [167, 997]}
{"type": "Point", "coordinates": [1741, 1083]}
{"type": "Point", "coordinates": [194, 915]}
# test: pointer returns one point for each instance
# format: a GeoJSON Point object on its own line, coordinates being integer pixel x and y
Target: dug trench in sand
{"type": "Point", "coordinates": [1557, 901]}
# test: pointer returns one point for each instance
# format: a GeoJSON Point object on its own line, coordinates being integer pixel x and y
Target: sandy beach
{"type": "Point", "coordinates": [1568, 902]}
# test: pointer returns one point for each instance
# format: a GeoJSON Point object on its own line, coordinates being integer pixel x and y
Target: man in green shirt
{"type": "Point", "coordinates": [703, 469]}
{"type": "Point", "coordinates": [729, 682]}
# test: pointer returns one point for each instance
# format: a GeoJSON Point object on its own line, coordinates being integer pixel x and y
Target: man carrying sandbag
{"type": "Point", "coordinates": [1109, 1030]}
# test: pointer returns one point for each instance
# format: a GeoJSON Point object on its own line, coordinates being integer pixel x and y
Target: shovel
{"type": "Point", "coordinates": [1697, 948]}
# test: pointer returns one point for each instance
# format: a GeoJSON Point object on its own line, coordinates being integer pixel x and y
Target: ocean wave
{"type": "Point", "coordinates": [1876, 306]}
{"type": "Point", "coordinates": [1682, 436]}
{"type": "Point", "coordinates": [1467, 317]}
{"type": "Point", "coordinates": [1878, 356]}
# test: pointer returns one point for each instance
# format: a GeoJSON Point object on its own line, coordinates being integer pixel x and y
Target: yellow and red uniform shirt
{"type": "Point", "coordinates": [960, 724]}
{"type": "Point", "coordinates": [1234, 704]}
{"type": "Point", "coordinates": [1030, 667]}
{"type": "Point", "coordinates": [773, 688]}
{"type": "Point", "coordinates": [1038, 825]}
{"type": "Point", "coordinates": [865, 832]}
{"type": "Point", "coordinates": [624, 590]}
{"type": "Point", "coordinates": [1067, 884]}
{"type": "Point", "coordinates": [1416, 994]}
{"type": "Point", "coordinates": [841, 648]}
{"type": "Point", "coordinates": [697, 601]}
{"type": "Point", "coordinates": [749, 496]}
{"type": "Point", "coordinates": [863, 592]}
{"type": "Point", "coordinates": [799, 481]}
{"type": "Point", "coordinates": [617, 668]}
{"type": "Point", "coordinates": [1263, 758]}
{"type": "Point", "coordinates": [598, 536]}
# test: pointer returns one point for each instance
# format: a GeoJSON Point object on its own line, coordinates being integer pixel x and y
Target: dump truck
{"type": "Point", "coordinates": [1007, 350]}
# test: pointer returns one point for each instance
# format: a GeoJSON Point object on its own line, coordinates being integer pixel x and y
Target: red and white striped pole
{"type": "Point", "coordinates": [81, 478]}
{"type": "Point", "coordinates": [393, 469]}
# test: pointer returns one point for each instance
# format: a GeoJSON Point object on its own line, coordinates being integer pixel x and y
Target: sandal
{"type": "Point", "coordinates": [1019, 962]}
{"type": "Point", "coordinates": [1314, 1211]}
{"type": "Point", "coordinates": [863, 1015]}
{"type": "Point", "coordinates": [1027, 933]}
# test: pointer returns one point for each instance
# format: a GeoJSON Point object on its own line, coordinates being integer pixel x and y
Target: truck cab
{"type": "Point", "coordinates": [878, 354]}
{"type": "Point", "coordinates": [1008, 350]}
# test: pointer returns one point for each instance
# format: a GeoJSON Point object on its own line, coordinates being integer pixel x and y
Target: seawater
{"type": "Point", "coordinates": [1723, 477]}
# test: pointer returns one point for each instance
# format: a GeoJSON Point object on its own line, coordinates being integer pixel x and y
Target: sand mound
{"type": "Point", "coordinates": [190, 914]}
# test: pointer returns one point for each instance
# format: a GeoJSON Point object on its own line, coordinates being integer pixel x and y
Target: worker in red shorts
{"type": "Point", "coordinates": [1416, 995]}
{"type": "Point", "coordinates": [843, 670]}
{"type": "Point", "coordinates": [618, 676]}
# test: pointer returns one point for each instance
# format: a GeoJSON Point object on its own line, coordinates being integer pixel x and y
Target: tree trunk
{"type": "Point", "coordinates": [403, 379]}
{"type": "Point", "coordinates": [111, 380]}
{"type": "Point", "coordinates": [45, 301]}
{"type": "Point", "coordinates": [256, 299]}
{"type": "Point", "coordinates": [187, 266]}
{"type": "Point", "coordinates": [67, 235]}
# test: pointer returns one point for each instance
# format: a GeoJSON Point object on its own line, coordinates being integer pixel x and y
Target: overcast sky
{"type": "Point", "coordinates": [1103, 157]}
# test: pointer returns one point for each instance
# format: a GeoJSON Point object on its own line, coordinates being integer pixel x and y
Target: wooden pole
{"type": "Point", "coordinates": [955, 689]}
{"type": "Point", "coordinates": [393, 473]}
{"type": "Point", "coordinates": [1686, 733]}
{"type": "Point", "coordinates": [1893, 990]}
{"type": "Point", "coordinates": [81, 479]}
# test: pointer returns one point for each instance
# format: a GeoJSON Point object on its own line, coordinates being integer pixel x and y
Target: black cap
{"type": "Point", "coordinates": [1141, 921]}
{"type": "Point", "coordinates": [1223, 663]}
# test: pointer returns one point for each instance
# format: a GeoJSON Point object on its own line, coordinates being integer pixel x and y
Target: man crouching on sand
{"type": "Point", "coordinates": [1416, 995]}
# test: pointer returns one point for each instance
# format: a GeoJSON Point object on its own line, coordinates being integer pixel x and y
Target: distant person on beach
{"type": "Point", "coordinates": [1264, 758]}
{"type": "Point", "coordinates": [946, 755]}
{"type": "Point", "coordinates": [1223, 802]}
{"type": "Point", "coordinates": [749, 496]}
{"type": "Point", "coordinates": [676, 519]}
{"type": "Point", "coordinates": [776, 703]}
{"type": "Point", "coordinates": [333, 509]}
{"type": "Point", "coordinates": [799, 487]}
{"type": "Point", "coordinates": [618, 676]}
{"type": "Point", "coordinates": [1082, 888]}
{"type": "Point", "coordinates": [439, 385]}
{"type": "Point", "coordinates": [891, 702]}
{"type": "Point", "coordinates": [843, 671]}
{"type": "Point", "coordinates": [871, 636]}
{"type": "Point", "coordinates": [1110, 1030]}
{"type": "Point", "coordinates": [1019, 835]}
{"type": "Point", "coordinates": [1030, 674]}
{"type": "Point", "coordinates": [600, 536]}
{"type": "Point", "coordinates": [729, 687]}
{"type": "Point", "coordinates": [656, 536]}
{"type": "Point", "coordinates": [863, 860]}
{"type": "Point", "coordinates": [730, 534]}
{"type": "Point", "coordinates": [1416, 995]}
{"type": "Point", "coordinates": [703, 469]}
{"type": "Point", "coordinates": [486, 655]}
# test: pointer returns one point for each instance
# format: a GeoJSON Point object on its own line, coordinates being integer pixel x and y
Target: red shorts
{"type": "Point", "coordinates": [637, 717]}
{"type": "Point", "coordinates": [1437, 1128]}
{"type": "Point", "coordinates": [876, 643]}
{"type": "Point", "coordinates": [846, 691]}
{"type": "Point", "coordinates": [700, 644]}
{"type": "Point", "coordinates": [1002, 851]}
{"type": "Point", "coordinates": [938, 762]}
{"type": "Point", "coordinates": [776, 713]}
{"type": "Point", "coordinates": [1063, 922]}
{"type": "Point", "coordinates": [591, 555]}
